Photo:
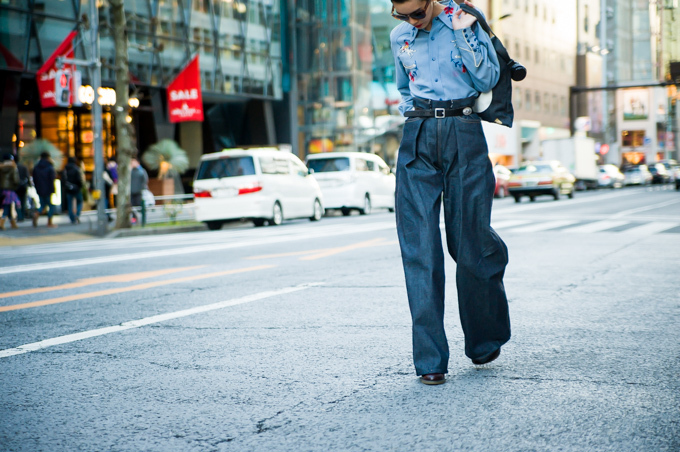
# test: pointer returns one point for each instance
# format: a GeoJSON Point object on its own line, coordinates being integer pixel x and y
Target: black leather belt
{"type": "Point", "coordinates": [438, 112]}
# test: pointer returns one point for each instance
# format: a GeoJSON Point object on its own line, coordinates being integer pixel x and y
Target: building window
{"type": "Point", "coordinates": [546, 103]}
{"type": "Point", "coordinates": [527, 100]}
{"type": "Point", "coordinates": [518, 98]}
{"type": "Point", "coordinates": [537, 56]}
{"type": "Point", "coordinates": [537, 102]}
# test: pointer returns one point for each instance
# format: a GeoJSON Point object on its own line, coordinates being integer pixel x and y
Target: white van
{"type": "Point", "coordinates": [264, 185]}
{"type": "Point", "coordinates": [353, 180]}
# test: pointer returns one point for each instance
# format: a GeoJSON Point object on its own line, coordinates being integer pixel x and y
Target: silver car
{"type": "Point", "coordinates": [638, 175]}
{"type": "Point", "coordinates": [610, 177]}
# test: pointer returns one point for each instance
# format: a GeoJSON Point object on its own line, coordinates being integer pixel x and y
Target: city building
{"type": "Point", "coordinates": [333, 58]}
{"type": "Point", "coordinates": [541, 35]}
{"type": "Point", "coordinates": [242, 73]}
{"type": "Point", "coordinates": [643, 41]}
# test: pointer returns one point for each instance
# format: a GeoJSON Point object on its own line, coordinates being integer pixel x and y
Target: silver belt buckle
{"type": "Point", "coordinates": [467, 111]}
{"type": "Point", "coordinates": [439, 113]}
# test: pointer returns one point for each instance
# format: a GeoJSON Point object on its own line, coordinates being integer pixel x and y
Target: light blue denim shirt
{"type": "Point", "coordinates": [442, 64]}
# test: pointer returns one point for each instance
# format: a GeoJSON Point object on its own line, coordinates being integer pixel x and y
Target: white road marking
{"type": "Point", "coordinates": [596, 227]}
{"type": "Point", "coordinates": [542, 226]}
{"type": "Point", "coordinates": [650, 228]}
{"type": "Point", "coordinates": [26, 348]}
{"type": "Point", "coordinates": [304, 234]}
{"type": "Point", "coordinates": [513, 208]}
{"type": "Point", "coordinates": [644, 208]}
{"type": "Point", "coordinates": [508, 223]}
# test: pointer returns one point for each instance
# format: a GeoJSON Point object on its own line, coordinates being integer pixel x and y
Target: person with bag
{"type": "Point", "coordinates": [443, 62]}
{"type": "Point", "coordinates": [139, 180]}
{"type": "Point", "coordinates": [43, 179]}
{"type": "Point", "coordinates": [22, 190]}
{"type": "Point", "coordinates": [74, 180]}
{"type": "Point", "coordinates": [9, 182]}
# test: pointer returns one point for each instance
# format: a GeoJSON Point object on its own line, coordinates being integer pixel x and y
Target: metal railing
{"type": "Point", "coordinates": [170, 208]}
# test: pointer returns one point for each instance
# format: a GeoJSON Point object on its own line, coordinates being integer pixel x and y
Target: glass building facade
{"type": "Point", "coordinates": [238, 42]}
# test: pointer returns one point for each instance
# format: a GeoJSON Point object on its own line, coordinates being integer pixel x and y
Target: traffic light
{"type": "Point", "coordinates": [62, 88]}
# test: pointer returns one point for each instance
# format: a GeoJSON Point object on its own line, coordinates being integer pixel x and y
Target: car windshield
{"type": "Point", "coordinates": [327, 165]}
{"type": "Point", "coordinates": [528, 169]}
{"type": "Point", "coordinates": [226, 167]}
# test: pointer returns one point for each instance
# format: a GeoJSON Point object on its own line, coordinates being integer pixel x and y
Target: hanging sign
{"type": "Point", "coordinates": [185, 102]}
{"type": "Point", "coordinates": [46, 74]}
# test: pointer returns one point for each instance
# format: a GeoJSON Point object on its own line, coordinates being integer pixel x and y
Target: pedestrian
{"type": "Point", "coordinates": [74, 180]}
{"type": "Point", "coordinates": [43, 179]}
{"type": "Point", "coordinates": [9, 182]}
{"type": "Point", "coordinates": [443, 61]}
{"type": "Point", "coordinates": [139, 180]}
{"type": "Point", "coordinates": [22, 190]}
{"type": "Point", "coordinates": [112, 188]}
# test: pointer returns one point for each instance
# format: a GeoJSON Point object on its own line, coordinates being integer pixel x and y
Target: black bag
{"type": "Point", "coordinates": [496, 105]}
{"type": "Point", "coordinates": [70, 187]}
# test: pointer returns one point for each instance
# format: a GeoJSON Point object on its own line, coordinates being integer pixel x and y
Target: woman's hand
{"type": "Point", "coordinates": [461, 19]}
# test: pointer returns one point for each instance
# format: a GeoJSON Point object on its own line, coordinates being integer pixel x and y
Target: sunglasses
{"type": "Point", "coordinates": [417, 14]}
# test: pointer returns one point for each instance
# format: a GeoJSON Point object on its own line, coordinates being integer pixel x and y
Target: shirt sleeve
{"type": "Point", "coordinates": [479, 57]}
{"type": "Point", "coordinates": [401, 78]}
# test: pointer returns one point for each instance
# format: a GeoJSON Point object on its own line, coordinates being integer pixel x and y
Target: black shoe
{"type": "Point", "coordinates": [488, 358]}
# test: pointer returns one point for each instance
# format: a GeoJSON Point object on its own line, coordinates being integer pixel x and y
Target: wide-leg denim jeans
{"type": "Point", "coordinates": [449, 157]}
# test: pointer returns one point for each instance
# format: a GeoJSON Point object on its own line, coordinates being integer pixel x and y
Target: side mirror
{"type": "Point", "coordinates": [310, 171]}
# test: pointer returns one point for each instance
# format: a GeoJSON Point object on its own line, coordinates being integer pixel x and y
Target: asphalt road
{"type": "Point", "coordinates": [297, 338]}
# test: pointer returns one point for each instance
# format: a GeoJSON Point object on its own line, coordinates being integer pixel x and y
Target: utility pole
{"type": "Point", "coordinates": [96, 75]}
{"type": "Point", "coordinates": [604, 52]}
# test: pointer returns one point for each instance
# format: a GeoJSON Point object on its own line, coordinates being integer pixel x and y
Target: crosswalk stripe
{"type": "Point", "coordinates": [650, 228]}
{"type": "Point", "coordinates": [508, 223]}
{"type": "Point", "coordinates": [543, 226]}
{"type": "Point", "coordinates": [596, 226]}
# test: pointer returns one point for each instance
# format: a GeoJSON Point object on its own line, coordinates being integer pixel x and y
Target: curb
{"type": "Point", "coordinates": [134, 232]}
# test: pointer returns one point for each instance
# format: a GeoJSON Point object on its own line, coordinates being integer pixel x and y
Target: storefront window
{"type": "Point", "coordinates": [13, 38]}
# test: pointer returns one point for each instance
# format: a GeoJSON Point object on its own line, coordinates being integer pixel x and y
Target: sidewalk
{"type": "Point", "coordinates": [26, 234]}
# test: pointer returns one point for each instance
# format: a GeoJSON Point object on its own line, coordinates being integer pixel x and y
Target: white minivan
{"type": "Point", "coordinates": [264, 185]}
{"type": "Point", "coordinates": [353, 181]}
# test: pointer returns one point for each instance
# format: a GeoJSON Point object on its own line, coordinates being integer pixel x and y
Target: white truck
{"type": "Point", "coordinates": [577, 154]}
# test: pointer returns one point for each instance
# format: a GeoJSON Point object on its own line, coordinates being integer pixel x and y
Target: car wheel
{"type": "Point", "coordinates": [367, 206]}
{"type": "Point", "coordinates": [318, 211]}
{"type": "Point", "coordinates": [259, 222]}
{"type": "Point", "coordinates": [532, 198]}
{"type": "Point", "coordinates": [346, 212]}
{"type": "Point", "coordinates": [556, 193]}
{"type": "Point", "coordinates": [571, 194]}
{"type": "Point", "coordinates": [517, 198]}
{"type": "Point", "coordinates": [214, 225]}
{"type": "Point", "coordinates": [390, 209]}
{"type": "Point", "coordinates": [277, 215]}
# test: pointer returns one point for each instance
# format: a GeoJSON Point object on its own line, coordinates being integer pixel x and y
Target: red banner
{"type": "Point", "coordinates": [46, 73]}
{"type": "Point", "coordinates": [185, 102]}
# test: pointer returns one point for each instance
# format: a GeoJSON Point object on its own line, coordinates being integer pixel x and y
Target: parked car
{"type": "Point", "coordinates": [353, 181]}
{"type": "Point", "coordinates": [541, 178]}
{"type": "Point", "coordinates": [502, 175]}
{"type": "Point", "coordinates": [637, 175]}
{"type": "Point", "coordinates": [265, 185]}
{"type": "Point", "coordinates": [610, 177]}
{"type": "Point", "coordinates": [660, 174]}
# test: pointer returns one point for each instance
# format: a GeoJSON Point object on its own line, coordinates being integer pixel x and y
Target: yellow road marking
{"type": "Point", "coordinates": [342, 249]}
{"type": "Point", "coordinates": [129, 277]}
{"type": "Point", "coordinates": [325, 252]}
{"type": "Point", "coordinates": [101, 293]}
